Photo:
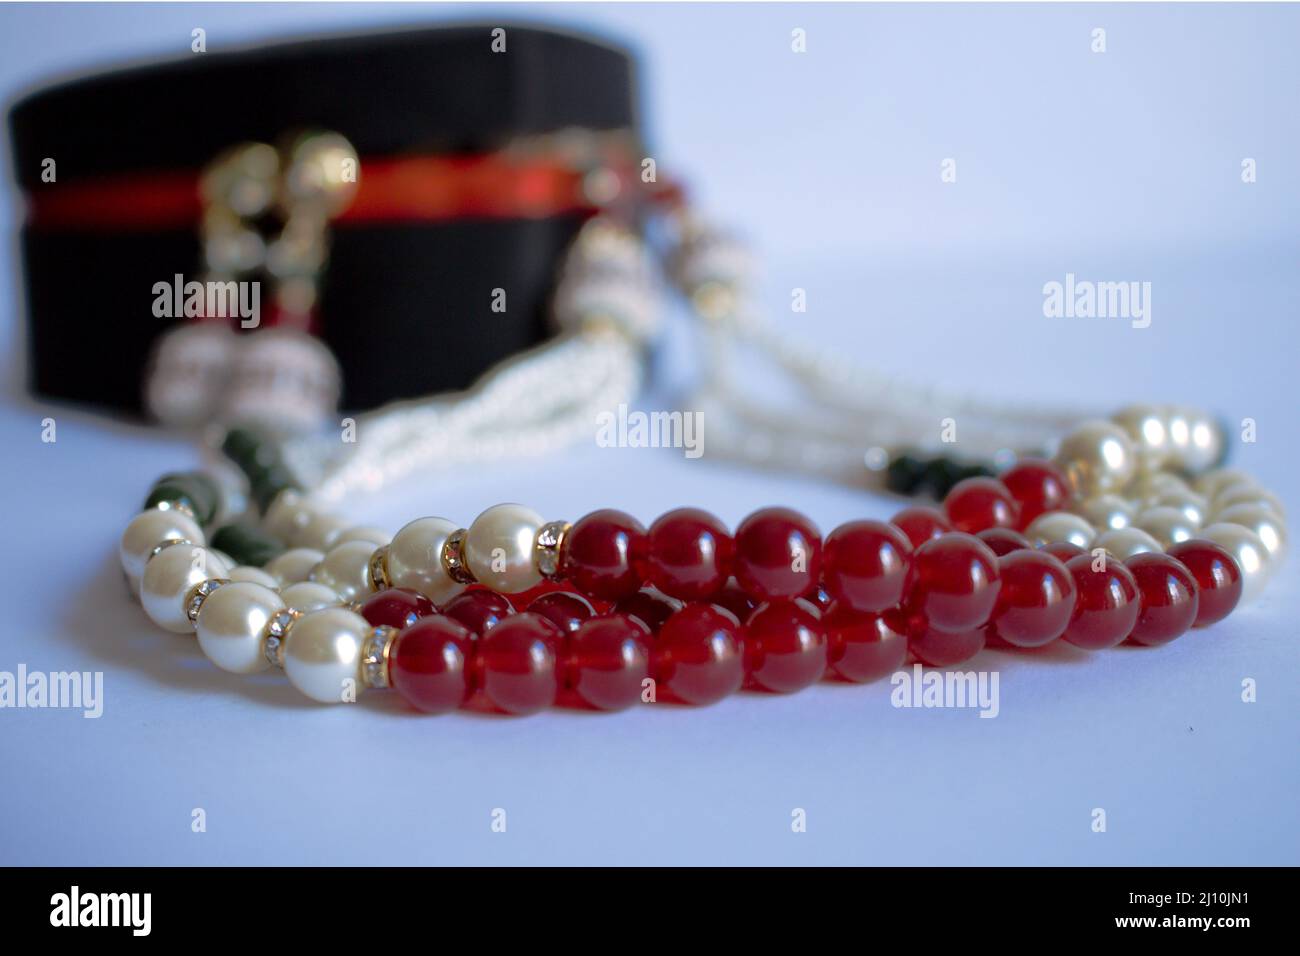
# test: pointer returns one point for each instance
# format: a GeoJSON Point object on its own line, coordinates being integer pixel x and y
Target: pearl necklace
{"type": "Point", "coordinates": [611, 614]}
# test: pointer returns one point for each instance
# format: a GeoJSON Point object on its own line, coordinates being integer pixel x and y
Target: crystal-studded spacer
{"type": "Point", "coordinates": [374, 656]}
{"type": "Point", "coordinates": [163, 545]}
{"type": "Point", "coordinates": [276, 630]}
{"type": "Point", "coordinates": [546, 548]}
{"type": "Point", "coordinates": [198, 594]}
{"type": "Point", "coordinates": [379, 580]}
{"type": "Point", "coordinates": [453, 558]}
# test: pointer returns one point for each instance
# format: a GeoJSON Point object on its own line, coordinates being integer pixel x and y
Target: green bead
{"type": "Point", "coordinates": [940, 475]}
{"type": "Point", "coordinates": [247, 544]}
{"type": "Point", "coordinates": [192, 489]}
{"type": "Point", "coordinates": [905, 475]}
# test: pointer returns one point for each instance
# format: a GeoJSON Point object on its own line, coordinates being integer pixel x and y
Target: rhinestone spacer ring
{"type": "Point", "coordinates": [453, 557]}
{"type": "Point", "coordinates": [378, 570]}
{"type": "Point", "coordinates": [547, 547]}
{"type": "Point", "coordinates": [374, 656]}
{"type": "Point", "coordinates": [165, 544]}
{"type": "Point", "coordinates": [200, 593]}
{"type": "Point", "coordinates": [277, 629]}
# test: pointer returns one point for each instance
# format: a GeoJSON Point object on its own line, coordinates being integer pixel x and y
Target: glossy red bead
{"type": "Point", "coordinates": [1003, 540]}
{"type": "Point", "coordinates": [940, 648]}
{"type": "Point", "coordinates": [785, 645]}
{"type": "Point", "coordinates": [479, 609]}
{"type": "Point", "coordinates": [1036, 601]}
{"type": "Point", "coordinates": [517, 664]}
{"type": "Point", "coordinates": [396, 607]}
{"type": "Point", "coordinates": [698, 656]}
{"type": "Point", "coordinates": [953, 583]}
{"type": "Point", "coordinates": [1218, 579]}
{"type": "Point", "coordinates": [1063, 551]}
{"type": "Point", "coordinates": [862, 646]}
{"type": "Point", "coordinates": [604, 554]}
{"type": "Point", "coordinates": [1169, 598]}
{"type": "Point", "coordinates": [1038, 487]}
{"type": "Point", "coordinates": [608, 661]}
{"type": "Point", "coordinates": [430, 664]}
{"type": "Point", "coordinates": [778, 554]}
{"type": "Point", "coordinates": [564, 609]}
{"type": "Point", "coordinates": [921, 523]}
{"type": "Point", "coordinates": [650, 607]}
{"type": "Point", "coordinates": [735, 600]}
{"type": "Point", "coordinates": [1107, 605]}
{"type": "Point", "coordinates": [977, 504]}
{"type": "Point", "coordinates": [690, 554]}
{"type": "Point", "coordinates": [865, 564]}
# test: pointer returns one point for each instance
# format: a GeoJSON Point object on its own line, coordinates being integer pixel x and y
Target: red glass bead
{"type": "Point", "coordinates": [604, 554]}
{"type": "Point", "coordinates": [920, 524]}
{"type": "Point", "coordinates": [1218, 579]}
{"type": "Point", "coordinates": [690, 554]}
{"type": "Point", "coordinates": [650, 607]}
{"type": "Point", "coordinates": [430, 664]}
{"type": "Point", "coordinates": [564, 609]}
{"type": "Point", "coordinates": [865, 564]}
{"type": "Point", "coordinates": [862, 646]}
{"type": "Point", "coordinates": [1063, 551]}
{"type": "Point", "coordinates": [734, 600]}
{"type": "Point", "coordinates": [698, 656]}
{"type": "Point", "coordinates": [977, 504]}
{"type": "Point", "coordinates": [517, 664]}
{"type": "Point", "coordinates": [778, 554]}
{"type": "Point", "coordinates": [1003, 540]}
{"type": "Point", "coordinates": [1038, 487]}
{"type": "Point", "coordinates": [1169, 598]}
{"type": "Point", "coordinates": [939, 648]}
{"type": "Point", "coordinates": [953, 583]}
{"type": "Point", "coordinates": [1036, 601]}
{"type": "Point", "coordinates": [785, 645]}
{"type": "Point", "coordinates": [479, 609]}
{"type": "Point", "coordinates": [396, 607]}
{"type": "Point", "coordinates": [608, 659]}
{"type": "Point", "coordinates": [820, 598]}
{"type": "Point", "coordinates": [1107, 604]}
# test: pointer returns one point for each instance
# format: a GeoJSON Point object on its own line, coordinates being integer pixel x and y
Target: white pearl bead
{"type": "Point", "coordinates": [310, 596]}
{"type": "Point", "coordinates": [149, 529]}
{"type": "Point", "coordinates": [346, 569]}
{"type": "Point", "coordinates": [1097, 457]}
{"type": "Point", "coordinates": [1167, 525]}
{"type": "Point", "coordinates": [168, 578]}
{"type": "Point", "coordinates": [1211, 482]}
{"type": "Point", "coordinates": [1124, 543]}
{"type": "Point", "coordinates": [499, 548]}
{"type": "Point", "coordinates": [1246, 494]}
{"type": "Point", "coordinates": [294, 565]}
{"type": "Point", "coordinates": [1155, 484]}
{"type": "Point", "coordinates": [246, 572]}
{"type": "Point", "coordinates": [286, 515]}
{"type": "Point", "coordinates": [376, 536]}
{"type": "Point", "coordinates": [1107, 512]}
{"type": "Point", "coordinates": [322, 653]}
{"type": "Point", "coordinates": [1060, 526]}
{"type": "Point", "coordinates": [1195, 439]}
{"type": "Point", "coordinates": [1193, 507]}
{"type": "Point", "coordinates": [415, 559]}
{"type": "Point", "coordinates": [1248, 551]}
{"type": "Point", "coordinates": [1263, 521]}
{"type": "Point", "coordinates": [230, 625]}
{"type": "Point", "coordinates": [1145, 425]}
{"type": "Point", "coordinates": [321, 532]}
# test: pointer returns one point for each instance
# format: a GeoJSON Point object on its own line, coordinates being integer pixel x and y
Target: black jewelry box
{"type": "Point", "coordinates": [406, 307]}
